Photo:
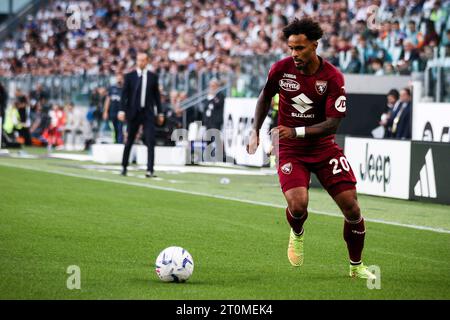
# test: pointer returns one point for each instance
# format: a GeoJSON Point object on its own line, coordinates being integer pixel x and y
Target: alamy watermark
{"type": "Point", "coordinates": [209, 145]}
{"type": "Point", "coordinates": [78, 13]}
{"type": "Point", "coordinates": [74, 279]}
{"type": "Point", "coordinates": [373, 18]}
{"type": "Point", "coordinates": [374, 283]}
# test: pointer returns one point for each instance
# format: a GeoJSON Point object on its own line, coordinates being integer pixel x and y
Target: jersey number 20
{"type": "Point", "coordinates": [335, 163]}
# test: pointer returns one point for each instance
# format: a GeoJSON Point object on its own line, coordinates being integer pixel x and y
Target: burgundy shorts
{"type": "Point", "coordinates": [332, 169]}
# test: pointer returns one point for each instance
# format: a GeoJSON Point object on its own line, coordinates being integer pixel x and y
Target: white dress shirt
{"type": "Point", "coordinates": [143, 73]}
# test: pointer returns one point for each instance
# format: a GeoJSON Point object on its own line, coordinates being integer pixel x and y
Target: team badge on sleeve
{"type": "Point", "coordinates": [321, 86]}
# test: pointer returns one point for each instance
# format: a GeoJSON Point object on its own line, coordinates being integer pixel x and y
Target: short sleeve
{"type": "Point", "coordinates": [336, 103]}
{"type": "Point", "coordinates": [271, 87]}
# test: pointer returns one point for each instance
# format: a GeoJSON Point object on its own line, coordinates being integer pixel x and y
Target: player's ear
{"type": "Point", "coordinates": [315, 44]}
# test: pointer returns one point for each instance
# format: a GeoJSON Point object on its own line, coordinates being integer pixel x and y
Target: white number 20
{"type": "Point", "coordinates": [344, 165]}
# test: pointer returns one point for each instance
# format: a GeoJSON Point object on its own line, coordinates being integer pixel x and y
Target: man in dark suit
{"type": "Point", "coordinates": [140, 104]}
{"type": "Point", "coordinates": [401, 126]}
{"type": "Point", "coordinates": [213, 107]}
{"type": "Point", "coordinates": [391, 110]}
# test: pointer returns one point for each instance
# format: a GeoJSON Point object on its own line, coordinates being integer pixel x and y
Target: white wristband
{"type": "Point", "coordinates": [300, 132]}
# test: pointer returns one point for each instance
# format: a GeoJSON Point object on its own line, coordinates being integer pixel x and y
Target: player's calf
{"type": "Point", "coordinates": [296, 219]}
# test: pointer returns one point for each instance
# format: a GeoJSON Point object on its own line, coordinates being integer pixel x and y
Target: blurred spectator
{"type": "Point", "coordinates": [408, 57]}
{"type": "Point", "coordinates": [3, 102]}
{"type": "Point", "coordinates": [97, 101]}
{"type": "Point", "coordinates": [413, 36]}
{"type": "Point", "coordinates": [446, 44]}
{"type": "Point", "coordinates": [17, 122]}
{"type": "Point", "coordinates": [401, 123]}
{"type": "Point", "coordinates": [12, 122]}
{"type": "Point", "coordinates": [54, 132]}
{"type": "Point", "coordinates": [431, 37]}
{"type": "Point", "coordinates": [173, 120]}
{"type": "Point", "coordinates": [354, 65]}
{"type": "Point", "coordinates": [210, 36]}
{"type": "Point", "coordinates": [389, 69]}
{"type": "Point", "coordinates": [438, 15]}
{"type": "Point", "coordinates": [377, 67]}
{"type": "Point", "coordinates": [112, 107]}
{"type": "Point", "coordinates": [173, 112]}
{"type": "Point", "coordinates": [391, 109]}
{"type": "Point", "coordinates": [446, 39]}
{"type": "Point", "coordinates": [213, 108]}
{"type": "Point", "coordinates": [40, 121]}
{"type": "Point", "coordinates": [39, 95]}
{"type": "Point", "coordinates": [73, 128]}
{"type": "Point", "coordinates": [23, 126]}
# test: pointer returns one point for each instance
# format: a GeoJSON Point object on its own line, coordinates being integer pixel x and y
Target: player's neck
{"type": "Point", "coordinates": [312, 67]}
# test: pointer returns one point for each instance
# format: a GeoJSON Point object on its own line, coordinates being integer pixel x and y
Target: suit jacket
{"type": "Point", "coordinates": [392, 114]}
{"type": "Point", "coordinates": [404, 122]}
{"type": "Point", "coordinates": [213, 112]}
{"type": "Point", "coordinates": [131, 96]}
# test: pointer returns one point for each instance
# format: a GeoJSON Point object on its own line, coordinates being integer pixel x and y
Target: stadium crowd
{"type": "Point", "coordinates": [32, 118]}
{"type": "Point", "coordinates": [380, 37]}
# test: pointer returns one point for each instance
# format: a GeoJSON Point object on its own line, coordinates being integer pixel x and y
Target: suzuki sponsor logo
{"type": "Point", "coordinates": [289, 85]}
{"type": "Point", "coordinates": [376, 168]}
{"type": "Point", "coordinates": [301, 115]}
{"type": "Point", "coordinates": [302, 103]}
{"type": "Point", "coordinates": [426, 186]}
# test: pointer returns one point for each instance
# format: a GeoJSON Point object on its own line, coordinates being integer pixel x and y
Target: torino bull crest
{"type": "Point", "coordinates": [321, 86]}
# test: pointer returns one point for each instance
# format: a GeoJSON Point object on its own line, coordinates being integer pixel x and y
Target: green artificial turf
{"type": "Point", "coordinates": [114, 233]}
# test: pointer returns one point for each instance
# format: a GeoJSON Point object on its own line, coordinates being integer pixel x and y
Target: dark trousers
{"type": "Point", "coordinates": [149, 138]}
{"type": "Point", "coordinates": [118, 133]}
{"type": "Point", "coordinates": [25, 133]}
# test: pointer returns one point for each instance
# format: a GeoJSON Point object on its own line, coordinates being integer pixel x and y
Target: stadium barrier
{"type": "Point", "coordinates": [110, 153]}
{"type": "Point", "coordinates": [238, 122]}
{"type": "Point", "coordinates": [430, 172]}
{"type": "Point", "coordinates": [381, 167]}
{"type": "Point", "coordinates": [431, 122]}
{"type": "Point", "coordinates": [401, 169]}
{"type": "Point", "coordinates": [177, 155]}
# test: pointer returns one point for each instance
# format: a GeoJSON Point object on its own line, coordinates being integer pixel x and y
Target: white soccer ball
{"type": "Point", "coordinates": [174, 264]}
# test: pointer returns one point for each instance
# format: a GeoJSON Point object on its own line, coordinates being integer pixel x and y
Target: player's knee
{"type": "Point", "coordinates": [298, 208]}
{"type": "Point", "coordinates": [352, 211]}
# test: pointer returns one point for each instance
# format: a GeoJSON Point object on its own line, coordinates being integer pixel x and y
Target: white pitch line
{"type": "Point", "coordinates": [260, 203]}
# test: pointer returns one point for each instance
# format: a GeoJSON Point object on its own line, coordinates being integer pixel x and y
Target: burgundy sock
{"type": "Point", "coordinates": [296, 223]}
{"type": "Point", "coordinates": [354, 233]}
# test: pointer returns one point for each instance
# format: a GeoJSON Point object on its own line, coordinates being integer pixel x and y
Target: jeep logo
{"type": "Point", "coordinates": [376, 168]}
{"type": "Point", "coordinates": [289, 85]}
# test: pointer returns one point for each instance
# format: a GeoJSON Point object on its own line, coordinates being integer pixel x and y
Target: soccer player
{"type": "Point", "coordinates": [312, 104]}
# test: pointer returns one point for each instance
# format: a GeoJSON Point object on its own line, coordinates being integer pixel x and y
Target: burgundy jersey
{"type": "Point", "coordinates": [306, 100]}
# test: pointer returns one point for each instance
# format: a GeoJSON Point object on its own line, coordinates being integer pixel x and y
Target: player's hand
{"type": "Point", "coordinates": [105, 116]}
{"type": "Point", "coordinates": [121, 116]}
{"type": "Point", "coordinates": [283, 132]}
{"type": "Point", "coordinates": [253, 142]}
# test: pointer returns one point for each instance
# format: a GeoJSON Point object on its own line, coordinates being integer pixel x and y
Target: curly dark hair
{"type": "Point", "coordinates": [307, 26]}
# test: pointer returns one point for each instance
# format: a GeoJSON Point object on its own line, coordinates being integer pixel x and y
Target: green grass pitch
{"type": "Point", "coordinates": [114, 233]}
